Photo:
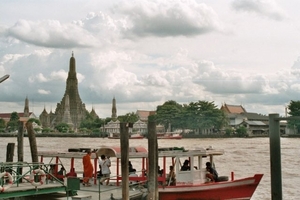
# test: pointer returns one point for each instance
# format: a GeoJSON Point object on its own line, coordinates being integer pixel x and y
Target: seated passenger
{"type": "Point", "coordinates": [130, 167]}
{"type": "Point", "coordinates": [61, 173]}
{"type": "Point", "coordinates": [160, 171]}
{"type": "Point", "coordinates": [185, 166]}
{"type": "Point", "coordinates": [171, 178]}
{"type": "Point", "coordinates": [133, 174]}
{"type": "Point", "coordinates": [212, 174]}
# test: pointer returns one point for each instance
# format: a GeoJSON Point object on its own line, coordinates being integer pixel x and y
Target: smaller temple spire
{"type": "Point", "coordinates": [26, 107]}
{"type": "Point", "coordinates": [114, 109]}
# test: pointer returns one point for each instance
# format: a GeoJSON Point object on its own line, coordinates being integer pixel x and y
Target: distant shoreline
{"type": "Point", "coordinates": [105, 136]}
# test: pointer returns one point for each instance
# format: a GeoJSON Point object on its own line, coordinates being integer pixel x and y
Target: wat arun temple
{"type": "Point", "coordinates": [71, 110]}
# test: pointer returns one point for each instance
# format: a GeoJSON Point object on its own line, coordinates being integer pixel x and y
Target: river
{"type": "Point", "coordinates": [244, 156]}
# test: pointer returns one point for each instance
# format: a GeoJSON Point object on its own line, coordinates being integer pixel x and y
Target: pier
{"type": "Point", "coordinates": [46, 185]}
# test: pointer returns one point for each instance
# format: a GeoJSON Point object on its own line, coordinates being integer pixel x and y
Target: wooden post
{"type": "Point", "coordinates": [32, 142]}
{"type": "Point", "coordinates": [20, 147]}
{"type": "Point", "coordinates": [10, 149]}
{"type": "Point", "coordinates": [124, 140]}
{"type": "Point", "coordinates": [275, 157]}
{"type": "Point", "coordinates": [153, 161]}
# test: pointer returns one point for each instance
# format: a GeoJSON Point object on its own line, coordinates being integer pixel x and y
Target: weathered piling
{"type": "Point", "coordinates": [20, 145]}
{"type": "Point", "coordinates": [275, 157]}
{"type": "Point", "coordinates": [124, 140]}
{"type": "Point", "coordinates": [10, 149]}
{"type": "Point", "coordinates": [32, 142]}
{"type": "Point", "coordinates": [153, 161]}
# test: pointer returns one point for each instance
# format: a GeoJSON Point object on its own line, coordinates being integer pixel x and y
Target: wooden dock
{"type": "Point", "coordinates": [57, 191]}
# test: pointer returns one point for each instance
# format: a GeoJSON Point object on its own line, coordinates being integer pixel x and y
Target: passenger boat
{"type": "Point", "coordinates": [169, 135]}
{"type": "Point", "coordinates": [189, 185]}
{"type": "Point", "coordinates": [132, 136]}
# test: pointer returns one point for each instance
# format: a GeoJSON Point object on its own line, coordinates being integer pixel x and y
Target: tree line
{"type": "Point", "coordinates": [195, 116]}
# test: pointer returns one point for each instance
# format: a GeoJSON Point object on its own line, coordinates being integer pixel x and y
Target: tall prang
{"type": "Point", "coordinates": [26, 108]}
{"type": "Point", "coordinates": [114, 109]}
{"type": "Point", "coordinates": [75, 106]}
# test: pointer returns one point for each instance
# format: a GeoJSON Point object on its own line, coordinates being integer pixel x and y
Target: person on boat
{"type": "Point", "coordinates": [160, 171]}
{"type": "Point", "coordinates": [132, 173]}
{"type": "Point", "coordinates": [72, 173]}
{"type": "Point", "coordinates": [171, 178]}
{"type": "Point", "coordinates": [212, 174]}
{"type": "Point", "coordinates": [87, 168]}
{"type": "Point", "coordinates": [185, 166]}
{"type": "Point", "coordinates": [61, 173]}
{"type": "Point", "coordinates": [130, 167]}
{"type": "Point", "coordinates": [104, 164]}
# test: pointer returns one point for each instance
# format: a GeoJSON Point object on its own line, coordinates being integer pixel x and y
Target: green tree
{"type": "Point", "coordinates": [91, 123]}
{"type": "Point", "coordinates": [294, 110]}
{"type": "Point", "coordinates": [12, 125]}
{"type": "Point", "coordinates": [241, 131]}
{"type": "Point", "coordinates": [46, 130]}
{"type": "Point", "coordinates": [129, 117]}
{"type": "Point", "coordinates": [62, 127]}
{"type": "Point", "coordinates": [204, 115]}
{"type": "Point", "coordinates": [169, 113]}
{"type": "Point", "coordinates": [2, 123]}
{"type": "Point", "coordinates": [34, 120]}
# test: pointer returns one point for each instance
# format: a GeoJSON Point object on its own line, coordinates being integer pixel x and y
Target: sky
{"type": "Point", "coordinates": [144, 53]}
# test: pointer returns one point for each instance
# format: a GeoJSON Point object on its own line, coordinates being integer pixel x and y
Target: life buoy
{"type": "Point", "coordinates": [10, 181]}
{"type": "Point", "coordinates": [41, 173]}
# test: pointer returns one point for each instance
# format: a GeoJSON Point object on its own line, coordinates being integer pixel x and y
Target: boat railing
{"type": "Point", "coordinates": [23, 172]}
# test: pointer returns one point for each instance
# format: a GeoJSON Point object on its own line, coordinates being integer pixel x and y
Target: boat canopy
{"type": "Point", "coordinates": [115, 151]}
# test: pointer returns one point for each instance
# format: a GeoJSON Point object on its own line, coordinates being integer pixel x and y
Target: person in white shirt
{"type": "Point", "coordinates": [104, 164]}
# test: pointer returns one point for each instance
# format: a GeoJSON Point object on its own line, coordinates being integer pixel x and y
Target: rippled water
{"type": "Point", "coordinates": [243, 156]}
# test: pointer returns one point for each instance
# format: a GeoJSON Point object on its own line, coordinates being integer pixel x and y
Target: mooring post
{"type": "Point", "coordinates": [153, 161]}
{"type": "Point", "coordinates": [20, 147]}
{"type": "Point", "coordinates": [124, 140]}
{"type": "Point", "coordinates": [275, 157]}
{"type": "Point", "coordinates": [32, 142]}
{"type": "Point", "coordinates": [10, 149]}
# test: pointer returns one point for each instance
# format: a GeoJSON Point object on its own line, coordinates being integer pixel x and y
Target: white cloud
{"type": "Point", "coordinates": [43, 92]}
{"type": "Point", "coordinates": [267, 8]}
{"type": "Point", "coordinates": [148, 52]}
{"type": "Point", "coordinates": [51, 33]}
{"type": "Point", "coordinates": [168, 18]}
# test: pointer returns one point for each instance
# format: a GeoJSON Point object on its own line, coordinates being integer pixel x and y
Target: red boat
{"type": "Point", "coordinates": [188, 185]}
{"type": "Point", "coordinates": [169, 135]}
{"type": "Point", "coordinates": [192, 184]}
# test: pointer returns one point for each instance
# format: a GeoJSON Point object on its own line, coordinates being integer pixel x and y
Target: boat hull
{"type": "Point", "coordinates": [229, 190]}
{"type": "Point", "coordinates": [170, 137]}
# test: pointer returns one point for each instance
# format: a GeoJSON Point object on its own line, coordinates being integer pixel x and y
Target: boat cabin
{"type": "Point", "coordinates": [167, 157]}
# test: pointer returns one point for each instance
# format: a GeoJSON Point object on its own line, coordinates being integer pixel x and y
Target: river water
{"type": "Point", "coordinates": [244, 156]}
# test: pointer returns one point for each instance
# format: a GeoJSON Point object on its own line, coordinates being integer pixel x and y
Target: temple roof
{"type": "Point", "coordinates": [237, 109]}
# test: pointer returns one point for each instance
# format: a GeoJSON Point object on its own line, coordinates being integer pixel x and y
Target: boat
{"type": "Point", "coordinates": [132, 136]}
{"type": "Point", "coordinates": [188, 185]}
{"type": "Point", "coordinates": [191, 184]}
{"type": "Point", "coordinates": [169, 135]}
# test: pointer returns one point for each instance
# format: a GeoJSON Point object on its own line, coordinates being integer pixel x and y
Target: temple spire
{"type": "Point", "coordinates": [114, 109]}
{"type": "Point", "coordinates": [26, 108]}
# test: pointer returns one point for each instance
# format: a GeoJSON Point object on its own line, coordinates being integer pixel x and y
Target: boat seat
{"type": "Point", "coordinates": [222, 178]}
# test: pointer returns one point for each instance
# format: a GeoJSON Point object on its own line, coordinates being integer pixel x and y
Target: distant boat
{"type": "Point", "coordinates": [169, 135]}
{"type": "Point", "coordinates": [132, 136]}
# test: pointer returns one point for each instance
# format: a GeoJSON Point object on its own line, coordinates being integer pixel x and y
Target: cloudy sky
{"type": "Point", "coordinates": [143, 53]}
